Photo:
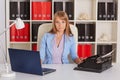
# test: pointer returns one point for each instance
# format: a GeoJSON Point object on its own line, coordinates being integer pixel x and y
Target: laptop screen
{"type": "Point", "coordinates": [25, 61]}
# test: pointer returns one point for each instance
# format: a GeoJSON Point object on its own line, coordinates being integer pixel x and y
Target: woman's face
{"type": "Point", "coordinates": [60, 24]}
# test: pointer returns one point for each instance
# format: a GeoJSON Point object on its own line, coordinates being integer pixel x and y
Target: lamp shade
{"type": "Point", "coordinates": [19, 23]}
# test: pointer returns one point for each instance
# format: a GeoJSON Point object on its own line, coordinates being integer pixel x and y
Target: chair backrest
{"type": "Point", "coordinates": [46, 27]}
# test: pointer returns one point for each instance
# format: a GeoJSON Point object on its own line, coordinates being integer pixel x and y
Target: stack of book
{"type": "Point", "coordinates": [107, 11]}
{"type": "Point", "coordinates": [35, 31]}
{"type": "Point", "coordinates": [84, 50]}
{"type": "Point", "coordinates": [23, 11]}
{"type": "Point", "coordinates": [22, 35]}
{"type": "Point", "coordinates": [86, 31]}
{"type": "Point", "coordinates": [41, 10]}
{"type": "Point", "coordinates": [13, 10]}
{"type": "Point", "coordinates": [58, 6]}
{"type": "Point", "coordinates": [68, 7]}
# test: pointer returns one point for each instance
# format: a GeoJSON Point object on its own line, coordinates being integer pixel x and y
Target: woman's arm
{"type": "Point", "coordinates": [73, 52]}
{"type": "Point", "coordinates": [42, 48]}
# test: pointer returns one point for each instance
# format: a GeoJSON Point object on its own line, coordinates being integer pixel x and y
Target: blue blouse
{"type": "Point", "coordinates": [46, 48]}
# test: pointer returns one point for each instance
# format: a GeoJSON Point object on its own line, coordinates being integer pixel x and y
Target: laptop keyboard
{"type": "Point", "coordinates": [45, 69]}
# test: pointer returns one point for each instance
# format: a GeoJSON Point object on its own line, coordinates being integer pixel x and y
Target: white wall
{"type": "Point", "coordinates": [2, 26]}
{"type": "Point", "coordinates": [118, 48]}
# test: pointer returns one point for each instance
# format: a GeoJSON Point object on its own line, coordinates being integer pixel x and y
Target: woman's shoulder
{"type": "Point", "coordinates": [48, 34]}
{"type": "Point", "coordinates": [71, 36]}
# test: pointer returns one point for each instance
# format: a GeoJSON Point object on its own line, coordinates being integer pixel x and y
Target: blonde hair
{"type": "Point", "coordinates": [63, 16]}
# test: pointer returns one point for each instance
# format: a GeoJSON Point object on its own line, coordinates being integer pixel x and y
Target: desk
{"type": "Point", "coordinates": [66, 72]}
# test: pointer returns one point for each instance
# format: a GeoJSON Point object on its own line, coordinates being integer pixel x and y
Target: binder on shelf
{"type": "Point", "coordinates": [90, 32]}
{"type": "Point", "coordinates": [48, 10]}
{"type": "Point", "coordinates": [41, 11]}
{"type": "Point", "coordinates": [58, 6]}
{"type": "Point", "coordinates": [35, 31]}
{"type": "Point", "coordinates": [22, 35]}
{"type": "Point", "coordinates": [81, 32]}
{"type": "Point", "coordinates": [101, 11]}
{"type": "Point", "coordinates": [13, 10]}
{"type": "Point", "coordinates": [86, 31]}
{"type": "Point", "coordinates": [116, 10]}
{"type": "Point", "coordinates": [104, 49]}
{"type": "Point", "coordinates": [36, 11]}
{"type": "Point", "coordinates": [25, 10]}
{"type": "Point", "coordinates": [26, 32]}
{"type": "Point", "coordinates": [110, 11]}
{"type": "Point", "coordinates": [84, 50]}
{"type": "Point", "coordinates": [13, 33]}
{"type": "Point", "coordinates": [34, 47]}
{"type": "Point", "coordinates": [69, 8]}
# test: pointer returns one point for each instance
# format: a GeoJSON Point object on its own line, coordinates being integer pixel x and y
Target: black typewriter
{"type": "Point", "coordinates": [96, 63]}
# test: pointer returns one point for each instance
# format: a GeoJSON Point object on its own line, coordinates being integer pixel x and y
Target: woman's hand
{"type": "Point", "coordinates": [79, 60]}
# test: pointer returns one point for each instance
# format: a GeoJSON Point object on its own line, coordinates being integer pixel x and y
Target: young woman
{"type": "Point", "coordinates": [57, 44]}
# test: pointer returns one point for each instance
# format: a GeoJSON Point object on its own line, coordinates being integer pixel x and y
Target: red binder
{"type": "Point", "coordinates": [21, 35]}
{"type": "Point", "coordinates": [48, 10]}
{"type": "Point", "coordinates": [34, 47]}
{"type": "Point", "coordinates": [84, 50]}
{"type": "Point", "coordinates": [12, 33]}
{"type": "Point", "coordinates": [26, 34]}
{"type": "Point", "coordinates": [36, 11]}
{"type": "Point", "coordinates": [41, 10]}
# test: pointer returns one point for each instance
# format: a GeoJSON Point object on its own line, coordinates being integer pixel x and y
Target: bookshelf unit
{"type": "Point", "coordinates": [99, 19]}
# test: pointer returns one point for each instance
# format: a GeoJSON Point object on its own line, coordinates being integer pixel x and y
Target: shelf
{"type": "Point", "coordinates": [86, 42]}
{"type": "Point", "coordinates": [21, 46]}
{"type": "Point", "coordinates": [108, 30]}
{"type": "Point", "coordinates": [85, 20]}
{"type": "Point", "coordinates": [20, 42]}
{"type": "Point", "coordinates": [22, 20]}
{"type": "Point", "coordinates": [84, 14]}
{"type": "Point", "coordinates": [107, 21]}
{"type": "Point", "coordinates": [88, 9]}
{"type": "Point", "coordinates": [41, 20]}
{"type": "Point", "coordinates": [106, 42]}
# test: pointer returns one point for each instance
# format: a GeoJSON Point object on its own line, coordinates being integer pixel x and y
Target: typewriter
{"type": "Point", "coordinates": [96, 63]}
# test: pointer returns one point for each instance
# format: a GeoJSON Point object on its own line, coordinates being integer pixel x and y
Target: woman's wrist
{"type": "Point", "coordinates": [78, 60]}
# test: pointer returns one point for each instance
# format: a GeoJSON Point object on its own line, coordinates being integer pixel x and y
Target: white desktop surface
{"type": "Point", "coordinates": [66, 72]}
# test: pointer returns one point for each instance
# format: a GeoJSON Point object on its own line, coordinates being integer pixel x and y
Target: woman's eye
{"type": "Point", "coordinates": [58, 22]}
{"type": "Point", "coordinates": [63, 21]}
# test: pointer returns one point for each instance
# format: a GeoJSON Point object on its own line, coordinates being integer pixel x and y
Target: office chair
{"type": "Point", "coordinates": [46, 27]}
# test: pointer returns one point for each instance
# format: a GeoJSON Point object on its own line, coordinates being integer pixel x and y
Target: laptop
{"type": "Point", "coordinates": [27, 61]}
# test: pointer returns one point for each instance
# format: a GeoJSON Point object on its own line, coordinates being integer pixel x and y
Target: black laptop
{"type": "Point", "coordinates": [27, 61]}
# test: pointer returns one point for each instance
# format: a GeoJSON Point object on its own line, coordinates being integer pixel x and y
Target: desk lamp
{"type": "Point", "coordinates": [19, 24]}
